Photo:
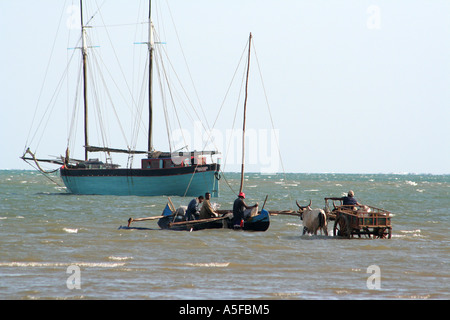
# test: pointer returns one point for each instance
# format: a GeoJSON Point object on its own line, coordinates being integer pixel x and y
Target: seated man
{"type": "Point", "coordinates": [192, 212]}
{"type": "Point", "coordinates": [207, 211]}
{"type": "Point", "coordinates": [349, 200]}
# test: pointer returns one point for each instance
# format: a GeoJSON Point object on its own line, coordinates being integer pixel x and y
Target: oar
{"type": "Point", "coordinates": [285, 212]}
{"type": "Point", "coordinates": [264, 204]}
{"type": "Point", "coordinates": [194, 222]}
{"type": "Point", "coordinates": [147, 219]}
{"type": "Point", "coordinates": [172, 207]}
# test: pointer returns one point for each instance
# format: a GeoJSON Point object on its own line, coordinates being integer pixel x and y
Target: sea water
{"type": "Point", "coordinates": [55, 245]}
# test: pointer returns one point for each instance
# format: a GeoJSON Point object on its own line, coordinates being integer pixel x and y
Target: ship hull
{"type": "Point", "coordinates": [185, 181]}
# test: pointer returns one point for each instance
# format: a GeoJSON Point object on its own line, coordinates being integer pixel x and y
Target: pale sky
{"type": "Point", "coordinates": [353, 86]}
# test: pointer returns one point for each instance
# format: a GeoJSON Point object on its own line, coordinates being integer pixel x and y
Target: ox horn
{"type": "Point", "coordinates": [310, 202]}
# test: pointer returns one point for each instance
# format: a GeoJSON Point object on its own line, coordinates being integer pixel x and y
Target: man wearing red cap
{"type": "Point", "coordinates": [239, 207]}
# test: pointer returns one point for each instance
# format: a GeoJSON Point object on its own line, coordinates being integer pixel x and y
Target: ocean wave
{"type": "Point", "coordinates": [286, 294]}
{"type": "Point", "coordinates": [414, 297]}
{"type": "Point", "coordinates": [119, 258]}
{"type": "Point", "coordinates": [69, 230]}
{"type": "Point", "coordinates": [294, 224]}
{"type": "Point", "coordinates": [209, 265]}
{"type": "Point", "coordinates": [61, 264]}
{"type": "Point", "coordinates": [410, 231]}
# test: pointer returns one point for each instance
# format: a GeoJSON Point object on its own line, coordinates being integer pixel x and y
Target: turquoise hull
{"type": "Point", "coordinates": [134, 184]}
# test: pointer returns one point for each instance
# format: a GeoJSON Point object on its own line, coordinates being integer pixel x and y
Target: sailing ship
{"type": "Point", "coordinates": [174, 219]}
{"type": "Point", "coordinates": [160, 173]}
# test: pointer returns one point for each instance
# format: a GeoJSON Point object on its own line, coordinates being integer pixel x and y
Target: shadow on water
{"type": "Point", "coordinates": [311, 237]}
{"type": "Point", "coordinates": [53, 194]}
{"type": "Point", "coordinates": [137, 228]}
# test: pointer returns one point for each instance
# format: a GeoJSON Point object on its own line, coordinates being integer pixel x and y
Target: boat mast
{"type": "Point", "coordinates": [84, 52]}
{"type": "Point", "coordinates": [245, 114]}
{"type": "Point", "coordinates": [150, 78]}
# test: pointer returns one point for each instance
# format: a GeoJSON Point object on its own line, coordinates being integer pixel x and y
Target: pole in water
{"type": "Point", "coordinates": [245, 114]}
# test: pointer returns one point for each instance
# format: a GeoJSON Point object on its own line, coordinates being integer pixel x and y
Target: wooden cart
{"type": "Point", "coordinates": [361, 221]}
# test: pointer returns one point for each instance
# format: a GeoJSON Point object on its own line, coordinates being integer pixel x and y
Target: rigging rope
{"type": "Point", "coordinates": [271, 118]}
{"type": "Point", "coordinates": [73, 128]}
{"type": "Point", "coordinates": [171, 94]}
{"type": "Point", "coordinates": [45, 75]}
{"type": "Point", "coordinates": [164, 103]}
{"type": "Point", "coordinates": [235, 113]}
{"type": "Point", "coordinates": [187, 65]}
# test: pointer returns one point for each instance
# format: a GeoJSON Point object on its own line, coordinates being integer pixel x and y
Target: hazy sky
{"type": "Point", "coordinates": [353, 86]}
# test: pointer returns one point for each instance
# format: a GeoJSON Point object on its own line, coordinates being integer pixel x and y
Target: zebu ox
{"type": "Point", "coordinates": [313, 219]}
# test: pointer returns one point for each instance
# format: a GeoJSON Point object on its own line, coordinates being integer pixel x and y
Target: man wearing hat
{"type": "Point", "coordinates": [349, 200]}
{"type": "Point", "coordinates": [239, 207]}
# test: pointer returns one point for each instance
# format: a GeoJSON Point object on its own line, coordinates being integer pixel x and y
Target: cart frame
{"type": "Point", "coordinates": [360, 220]}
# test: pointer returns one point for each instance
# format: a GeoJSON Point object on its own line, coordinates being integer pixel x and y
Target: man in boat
{"type": "Point", "coordinates": [207, 211]}
{"type": "Point", "coordinates": [193, 209]}
{"type": "Point", "coordinates": [349, 200]}
{"type": "Point", "coordinates": [239, 207]}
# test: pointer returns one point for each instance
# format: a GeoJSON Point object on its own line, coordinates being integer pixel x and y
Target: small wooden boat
{"type": "Point", "coordinates": [171, 221]}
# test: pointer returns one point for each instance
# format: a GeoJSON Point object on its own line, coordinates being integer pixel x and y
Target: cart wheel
{"type": "Point", "coordinates": [383, 233]}
{"type": "Point", "coordinates": [341, 227]}
{"type": "Point", "coordinates": [367, 232]}
{"type": "Point", "coordinates": [387, 233]}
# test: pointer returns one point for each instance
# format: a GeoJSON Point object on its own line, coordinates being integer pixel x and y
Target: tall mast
{"type": "Point", "coordinates": [84, 52]}
{"type": "Point", "coordinates": [245, 114]}
{"type": "Point", "coordinates": [150, 78]}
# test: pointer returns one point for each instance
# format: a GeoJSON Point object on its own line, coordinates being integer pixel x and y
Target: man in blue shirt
{"type": "Point", "coordinates": [349, 200]}
{"type": "Point", "coordinates": [192, 212]}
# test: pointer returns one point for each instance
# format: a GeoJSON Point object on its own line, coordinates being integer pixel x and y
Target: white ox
{"type": "Point", "coordinates": [313, 219]}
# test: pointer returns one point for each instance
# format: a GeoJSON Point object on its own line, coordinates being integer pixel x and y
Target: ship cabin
{"type": "Point", "coordinates": [172, 162]}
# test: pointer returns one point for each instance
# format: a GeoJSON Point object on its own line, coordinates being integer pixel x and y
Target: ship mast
{"type": "Point", "coordinates": [245, 114]}
{"type": "Point", "coordinates": [150, 78]}
{"type": "Point", "coordinates": [84, 52]}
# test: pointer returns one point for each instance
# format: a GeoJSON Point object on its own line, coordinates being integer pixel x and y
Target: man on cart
{"type": "Point", "coordinates": [349, 200]}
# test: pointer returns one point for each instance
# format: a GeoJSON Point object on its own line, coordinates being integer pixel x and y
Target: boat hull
{"type": "Point", "coordinates": [186, 181]}
{"type": "Point", "coordinates": [260, 222]}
